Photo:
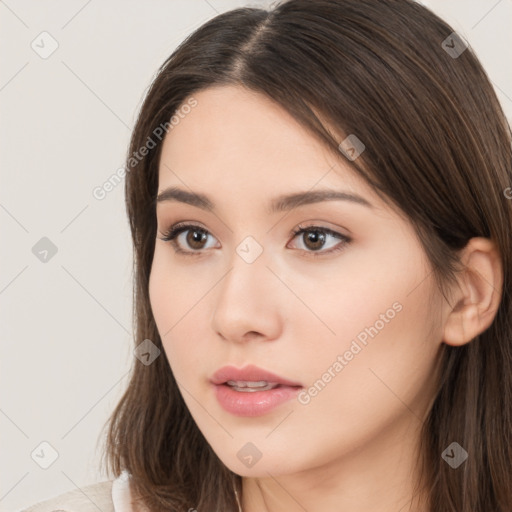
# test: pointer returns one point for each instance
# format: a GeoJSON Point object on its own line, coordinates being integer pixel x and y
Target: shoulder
{"type": "Point", "coordinates": [90, 498]}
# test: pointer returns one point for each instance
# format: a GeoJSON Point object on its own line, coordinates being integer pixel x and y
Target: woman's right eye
{"type": "Point", "coordinates": [195, 236]}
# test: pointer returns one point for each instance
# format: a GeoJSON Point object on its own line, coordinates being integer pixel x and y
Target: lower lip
{"type": "Point", "coordinates": [253, 403]}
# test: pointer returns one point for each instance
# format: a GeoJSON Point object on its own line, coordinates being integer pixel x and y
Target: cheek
{"type": "Point", "coordinates": [385, 343]}
{"type": "Point", "coordinates": [172, 291]}
{"type": "Point", "coordinates": [359, 293]}
{"type": "Point", "coordinates": [175, 299]}
{"type": "Point", "coordinates": [159, 297]}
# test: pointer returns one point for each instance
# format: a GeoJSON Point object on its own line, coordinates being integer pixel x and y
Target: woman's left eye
{"type": "Point", "coordinates": [316, 236]}
{"type": "Point", "coordinates": [314, 241]}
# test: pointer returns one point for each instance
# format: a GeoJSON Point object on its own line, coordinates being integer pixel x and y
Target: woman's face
{"type": "Point", "coordinates": [353, 327]}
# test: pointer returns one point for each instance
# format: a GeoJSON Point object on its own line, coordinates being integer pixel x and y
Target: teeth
{"type": "Point", "coordinates": [248, 386]}
{"type": "Point", "coordinates": [246, 383]}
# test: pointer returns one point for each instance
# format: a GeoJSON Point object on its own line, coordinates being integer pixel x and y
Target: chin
{"type": "Point", "coordinates": [266, 466]}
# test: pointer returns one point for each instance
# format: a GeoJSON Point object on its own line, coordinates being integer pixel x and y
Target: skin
{"type": "Point", "coordinates": [354, 445]}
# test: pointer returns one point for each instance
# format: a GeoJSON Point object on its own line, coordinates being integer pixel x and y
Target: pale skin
{"type": "Point", "coordinates": [353, 446]}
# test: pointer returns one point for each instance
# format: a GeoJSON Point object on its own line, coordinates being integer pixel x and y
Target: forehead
{"type": "Point", "coordinates": [229, 119]}
{"type": "Point", "coordinates": [247, 143]}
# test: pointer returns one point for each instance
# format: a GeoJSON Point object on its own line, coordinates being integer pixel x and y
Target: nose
{"type": "Point", "coordinates": [249, 302]}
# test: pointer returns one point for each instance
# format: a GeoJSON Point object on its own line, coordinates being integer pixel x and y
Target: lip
{"type": "Point", "coordinates": [249, 373]}
{"type": "Point", "coordinates": [251, 403]}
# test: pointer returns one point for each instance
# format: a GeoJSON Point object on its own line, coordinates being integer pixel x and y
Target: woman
{"type": "Point", "coordinates": [319, 198]}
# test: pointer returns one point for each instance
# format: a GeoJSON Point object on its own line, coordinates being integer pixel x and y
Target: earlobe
{"type": "Point", "coordinates": [478, 295]}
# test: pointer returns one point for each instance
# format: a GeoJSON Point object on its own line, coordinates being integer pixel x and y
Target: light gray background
{"type": "Point", "coordinates": [65, 125]}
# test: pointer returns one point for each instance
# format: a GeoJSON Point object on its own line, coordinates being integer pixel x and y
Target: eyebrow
{"type": "Point", "coordinates": [278, 204]}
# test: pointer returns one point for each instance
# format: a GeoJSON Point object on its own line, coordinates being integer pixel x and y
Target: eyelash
{"type": "Point", "coordinates": [171, 234]}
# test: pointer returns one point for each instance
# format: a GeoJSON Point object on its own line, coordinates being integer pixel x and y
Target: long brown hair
{"type": "Point", "coordinates": [437, 147]}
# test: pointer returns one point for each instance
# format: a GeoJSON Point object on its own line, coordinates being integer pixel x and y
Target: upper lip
{"type": "Point", "coordinates": [249, 373]}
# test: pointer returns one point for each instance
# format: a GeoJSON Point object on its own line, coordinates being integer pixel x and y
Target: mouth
{"type": "Point", "coordinates": [251, 391]}
{"type": "Point", "coordinates": [250, 376]}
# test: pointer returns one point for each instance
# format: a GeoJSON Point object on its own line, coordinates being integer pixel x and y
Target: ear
{"type": "Point", "coordinates": [476, 302]}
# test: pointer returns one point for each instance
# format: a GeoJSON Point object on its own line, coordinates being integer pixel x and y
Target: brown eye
{"type": "Point", "coordinates": [192, 243]}
{"type": "Point", "coordinates": [196, 238]}
{"type": "Point", "coordinates": [314, 239]}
